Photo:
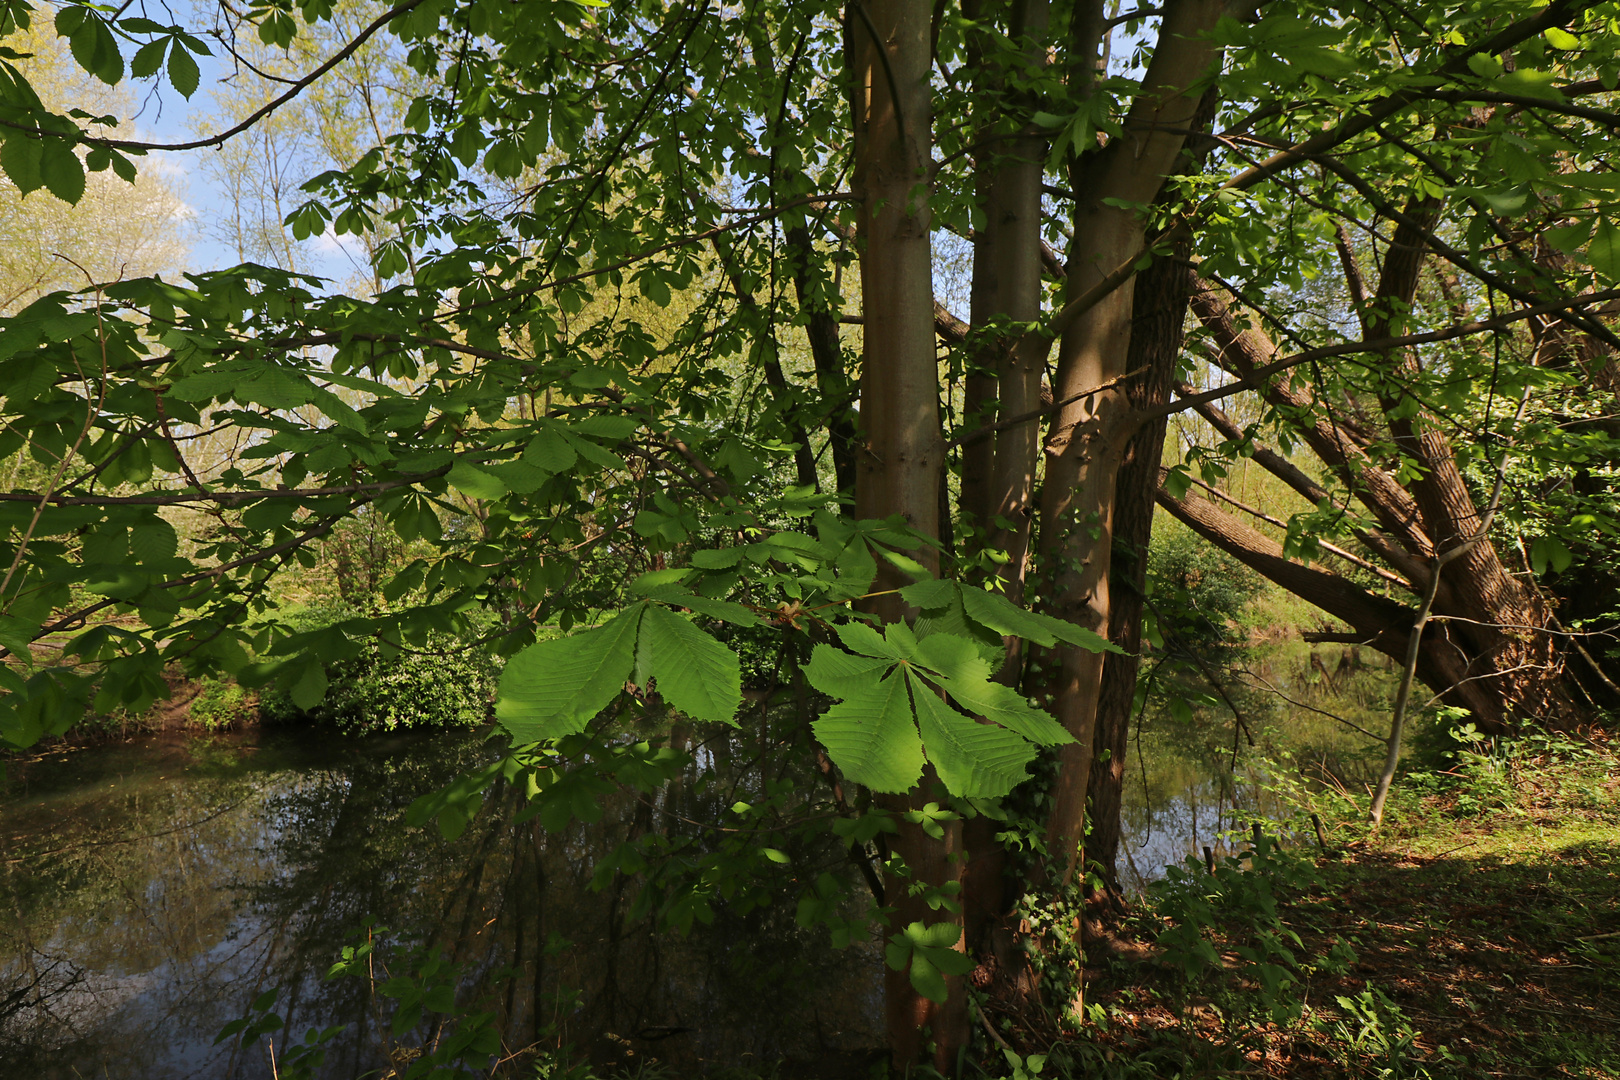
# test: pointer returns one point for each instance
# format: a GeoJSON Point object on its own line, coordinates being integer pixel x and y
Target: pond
{"type": "Point", "coordinates": [154, 888]}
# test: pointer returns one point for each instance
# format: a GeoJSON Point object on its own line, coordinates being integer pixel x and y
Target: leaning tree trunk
{"type": "Point", "coordinates": [901, 450]}
{"type": "Point", "coordinates": [1489, 608]}
{"type": "Point", "coordinates": [1094, 421]}
{"type": "Point", "coordinates": [1374, 620]}
{"type": "Point", "coordinates": [1156, 337]}
{"type": "Point", "coordinates": [1158, 329]}
{"type": "Point", "coordinates": [1493, 652]}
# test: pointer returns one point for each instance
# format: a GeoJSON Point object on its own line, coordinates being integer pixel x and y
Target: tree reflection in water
{"type": "Point", "coordinates": [154, 888]}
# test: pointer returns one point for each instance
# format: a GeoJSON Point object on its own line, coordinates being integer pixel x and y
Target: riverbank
{"type": "Point", "coordinates": [1477, 934]}
{"type": "Point", "coordinates": [192, 707]}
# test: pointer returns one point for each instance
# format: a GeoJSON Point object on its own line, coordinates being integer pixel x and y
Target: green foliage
{"type": "Point", "coordinates": [1199, 593]}
{"type": "Point", "coordinates": [888, 684]}
{"type": "Point", "coordinates": [456, 1040]}
{"type": "Point", "coordinates": [1375, 1037]}
{"type": "Point", "coordinates": [576, 388]}
{"type": "Point", "coordinates": [220, 704]}
{"type": "Point", "coordinates": [449, 683]}
{"type": "Point", "coordinates": [1241, 904]}
{"type": "Point", "coordinates": [929, 952]}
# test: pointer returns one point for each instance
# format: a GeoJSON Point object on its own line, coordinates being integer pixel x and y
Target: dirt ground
{"type": "Point", "coordinates": [1485, 919]}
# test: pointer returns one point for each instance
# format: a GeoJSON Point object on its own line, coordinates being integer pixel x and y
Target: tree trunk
{"type": "Point", "coordinates": [1489, 608]}
{"type": "Point", "coordinates": [1087, 436]}
{"type": "Point", "coordinates": [1490, 650]}
{"type": "Point", "coordinates": [1007, 288]}
{"type": "Point", "coordinates": [899, 463]}
{"type": "Point", "coordinates": [1157, 332]}
{"type": "Point", "coordinates": [998, 470]}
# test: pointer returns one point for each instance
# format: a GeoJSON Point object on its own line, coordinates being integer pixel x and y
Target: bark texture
{"type": "Point", "coordinates": [1490, 649]}
{"type": "Point", "coordinates": [1157, 332]}
{"type": "Point", "coordinates": [901, 450]}
{"type": "Point", "coordinates": [1087, 435]}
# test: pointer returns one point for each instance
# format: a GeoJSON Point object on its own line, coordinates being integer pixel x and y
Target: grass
{"type": "Point", "coordinates": [1484, 919]}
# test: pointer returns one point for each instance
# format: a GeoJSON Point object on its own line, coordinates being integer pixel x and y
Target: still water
{"type": "Point", "coordinates": [154, 888]}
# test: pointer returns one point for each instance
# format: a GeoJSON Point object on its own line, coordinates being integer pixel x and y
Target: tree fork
{"type": "Point", "coordinates": [1087, 437]}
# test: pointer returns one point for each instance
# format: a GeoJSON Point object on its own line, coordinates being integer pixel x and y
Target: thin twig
{"type": "Point", "coordinates": [1414, 644]}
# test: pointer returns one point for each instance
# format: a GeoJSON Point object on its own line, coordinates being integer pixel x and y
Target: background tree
{"type": "Point", "coordinates": [114, 230]}
{"type": "Point", "coordinates": [501, 400]}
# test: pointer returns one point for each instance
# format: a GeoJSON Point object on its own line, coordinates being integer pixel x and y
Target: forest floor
{"type": "Point", "coordinates": [1485, 923]}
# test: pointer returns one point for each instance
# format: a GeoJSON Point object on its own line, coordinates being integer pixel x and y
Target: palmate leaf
{"type": "Point", "coordinates": [953, 656]}
{"type": "Point", "coordinates": [1005, 617]}
{"type": "Point", "coordinates": [872, 738]}
{"type": "Point", "coordinates": [1008, 708]}
{"type": "Point", "coordinates": [976, 761]}
{"type": "Point", "coordinates": [554, 688]}
{"type": "Point", "coordinates": [696, 674]}
{"type": "Point", "coordinates": [995, 612]}
{"type": "Point", "coordinates": [931, 953]}
{"type": "Point", "coordinates": [840, 674]}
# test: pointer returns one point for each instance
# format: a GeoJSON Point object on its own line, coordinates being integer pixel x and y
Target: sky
{"type": "Point", "coordinates": [163, 115]}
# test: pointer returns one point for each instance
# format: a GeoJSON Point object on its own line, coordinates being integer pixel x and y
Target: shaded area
{"type": "Point", "coordinates": [1507, 962]}
{"type": "Point", "coordinates": [153, 889]}
{"type": "Point", "coordinates": [1477, 936]}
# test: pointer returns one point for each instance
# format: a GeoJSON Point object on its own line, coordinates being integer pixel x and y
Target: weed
{"type": "Point", "coordinates": [220, 704]}
{"type": "Point", "coordinates": [1376, 1037]}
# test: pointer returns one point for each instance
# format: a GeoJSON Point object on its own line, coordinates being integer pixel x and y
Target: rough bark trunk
{"type": "Point", "coordinates": [1158, 330]}
{"type": "Point", "coordinates": [827, 353]}
{"type": "Point", "coordinates": [1492, 651]}
{"type": "Point", "coordinates": [1489, 608]}
{"type": "Point", "coordinates": [1239, 352]}
{"type": "Point", "coordinates": [901, 449]}
{"type": "Point", "coordinates": [1156, 337]}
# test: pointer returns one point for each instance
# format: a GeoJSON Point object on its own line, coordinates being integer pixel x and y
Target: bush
{"type": "Point", "coordinates": [220, 704]}
{"type": "Point", "coordinates": [1199, 592]}
{"type": "Point", "coordinates": [448, 683]}
{"type": "Point", "coordinates": [1236, 907]}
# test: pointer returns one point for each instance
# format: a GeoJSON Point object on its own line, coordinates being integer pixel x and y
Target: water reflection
{"type": "Point", "coordinates": [1202, 813]}
{"type": "Point", "coordinates": [152, 889]}
{"type": "Point", "coordinates": [1194, 781]}
{"type": "Point", "coordinates": [155, 888]}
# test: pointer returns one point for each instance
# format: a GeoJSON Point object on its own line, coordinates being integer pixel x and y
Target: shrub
{"type": "Point", "coordinates": [1199, 592]}
{"type": "Point", "coordinates": [1236, 907]}
{"type": "Point", "coordinates": [450, 682]}
{"type": "Point", "coordinates": [220, 703]}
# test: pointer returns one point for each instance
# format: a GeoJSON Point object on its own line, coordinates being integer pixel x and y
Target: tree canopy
{"type": "Point", "coordinates": [652, 363]}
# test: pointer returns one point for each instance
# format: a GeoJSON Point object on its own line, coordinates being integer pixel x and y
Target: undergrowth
{"type": "Point", "coordinates": [1475, 934]}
